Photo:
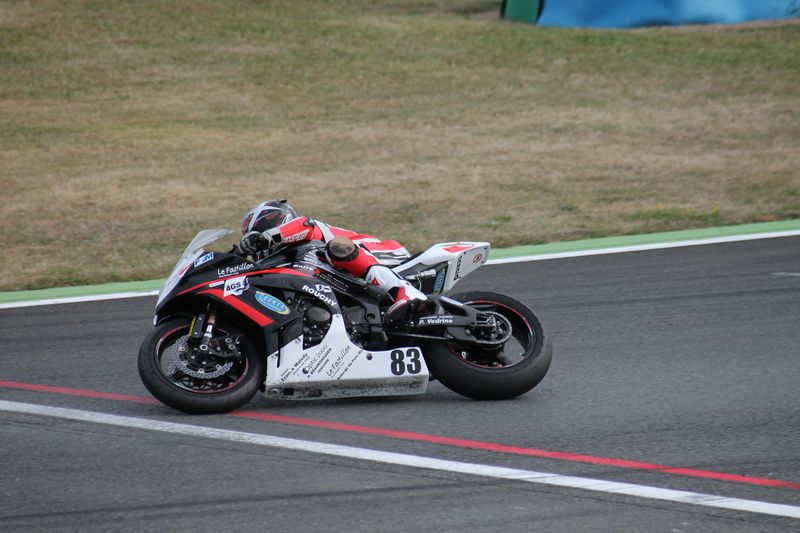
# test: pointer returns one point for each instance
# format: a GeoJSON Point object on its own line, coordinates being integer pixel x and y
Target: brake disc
{"type": "Point", "coordinates": [187, 361]}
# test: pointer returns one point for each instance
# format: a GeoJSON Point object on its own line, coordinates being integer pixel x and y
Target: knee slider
{"type": "Point", "coordinates": [341, 249]}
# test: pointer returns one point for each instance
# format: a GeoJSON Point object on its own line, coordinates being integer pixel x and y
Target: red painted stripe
{"type": "Point", "coordinates": [219, 280]}
{"type": "Point", "coordinates": [434, 439]}
{"type": "Point", "coordinates": [254, 315]}
{"type": "Point", "coordinates": [535, 452]}
{"type": "Point", "coordinates": [247, 274]}
{"type": "Point", "coordinates": [77, 392]}
{"type": "Point", "coordinates": [288, 271]}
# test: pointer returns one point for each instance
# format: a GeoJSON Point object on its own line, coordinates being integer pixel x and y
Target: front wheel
{"type": "Point", "coordinates": [195, 382]}
{"type": "Point", "coordinates": [494, 372]}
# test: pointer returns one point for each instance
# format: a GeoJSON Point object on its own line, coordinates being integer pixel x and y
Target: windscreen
{"type": "Point", "coordinates": [204, 238]}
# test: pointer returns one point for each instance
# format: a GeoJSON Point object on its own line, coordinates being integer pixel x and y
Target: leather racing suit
{"type": "Point", "coordinates": [360, 254]}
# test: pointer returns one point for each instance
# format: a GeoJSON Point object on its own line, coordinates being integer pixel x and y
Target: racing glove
{"type": "Point", "coordinates": [252, 243]}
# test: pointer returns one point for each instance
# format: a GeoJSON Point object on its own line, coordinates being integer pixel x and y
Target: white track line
{"type": "Point", "coordinates": [415, 461]}
{"type": "Point", "coordinates": [78, 299]}
{"type": "Point", "coordinates": [644, 247]}
{"type": "Point", "coordinates": [520, 259]}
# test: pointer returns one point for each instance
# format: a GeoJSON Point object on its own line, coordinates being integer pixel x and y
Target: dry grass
{"type": "Point", "coordinates": [125, 127]}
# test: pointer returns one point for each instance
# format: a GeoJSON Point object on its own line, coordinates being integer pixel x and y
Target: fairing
{"type": "Point", "coordinates": [262, 294]}
{"type": "Point", "coordinates": [451, 261]}
{"type": "Point", "coordinates": [337, 368]}
{"type": "Point", "coordinates": [191, 254]}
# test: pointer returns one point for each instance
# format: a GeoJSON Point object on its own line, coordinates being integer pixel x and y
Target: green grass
{"type": "Point", "coordinates": [125, 127]}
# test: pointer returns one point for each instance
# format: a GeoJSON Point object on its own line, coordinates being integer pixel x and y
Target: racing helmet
{"type": "Point", "coordinates": [268, 215]}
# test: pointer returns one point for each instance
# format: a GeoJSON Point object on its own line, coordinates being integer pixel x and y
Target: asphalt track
{"type": "Point", "coordinates": [685, 357]}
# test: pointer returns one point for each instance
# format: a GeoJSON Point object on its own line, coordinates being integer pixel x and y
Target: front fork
{"type": "Point", "coordinates": [201, 333]}
{"type": "Point", "coordinates": [201, 330]}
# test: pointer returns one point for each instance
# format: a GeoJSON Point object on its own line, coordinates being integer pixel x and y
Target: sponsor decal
{"type": "Point", "coordinates": [303, 266]}
{"type": "Point", "coordinates": [323, 288]}
{"type": "Point", "coordinates": [337, 363]}
{"type": "Point", "coordinates": [439, 283]}
{"type": "Point", "coordinates": [458, 268]}
{"type": "Point", "coordinates": [203, 259]}
{"type": "Point", "coordinates": [477, 258]}
{"type": "Point", "coordinates": [332, 280]}
{"type": "Point", "coordinates": [232, 271]}
{"type": "Point", "coordinates": [319, 294]}
{"type": "Point", "coordinates": [437, 320]}
{"type": "Point", "coordinates": [235, 286]}
{"type": "Point", "coordinates": [272, 303]}
{"type": "Point", "coordinates": [297, 237]}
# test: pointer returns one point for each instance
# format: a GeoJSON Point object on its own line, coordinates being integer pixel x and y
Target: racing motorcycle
{"type": "Point", "coordinates": [295, 327]}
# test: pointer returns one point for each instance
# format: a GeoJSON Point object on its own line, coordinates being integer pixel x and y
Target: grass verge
{"type": "Point", "coordinates": [127, 126]}
{"type": "Point", "coordinates": [524, 252]}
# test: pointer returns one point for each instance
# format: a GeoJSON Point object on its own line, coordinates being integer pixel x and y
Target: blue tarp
{"type": "Point", "coordinates": [634, 13]}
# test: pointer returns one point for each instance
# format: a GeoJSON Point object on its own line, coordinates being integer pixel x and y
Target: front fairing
{"type": "Point", "coordinates": [192, 257]}
{"type": "Point", "coordinates": [245, 285]}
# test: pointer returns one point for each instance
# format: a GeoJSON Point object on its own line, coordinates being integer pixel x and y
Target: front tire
{"type": "Point", "coordinates": [484, 374]}
{"type": "Point", "coordinates": [186, 391]}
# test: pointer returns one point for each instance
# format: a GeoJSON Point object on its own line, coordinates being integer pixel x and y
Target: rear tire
{"type": "Point", "coordinates": [233, 389]}
{"type": "Point", "coordinates": [464, 369]}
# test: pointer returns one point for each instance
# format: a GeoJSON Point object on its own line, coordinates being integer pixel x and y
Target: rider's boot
{"type": "Point", "coordinates": [407, 298]}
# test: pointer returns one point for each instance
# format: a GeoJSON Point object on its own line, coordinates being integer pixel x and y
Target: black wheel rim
{"type": "Point", "coordinates": [226, 381]}
{"type": "Point", "coordinates": [515, 350]}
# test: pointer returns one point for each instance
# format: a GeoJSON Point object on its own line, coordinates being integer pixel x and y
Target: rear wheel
{"type": "Point", "coordinates": [196, 382]}
{"type": "Point", "coordinates": [494, 371]}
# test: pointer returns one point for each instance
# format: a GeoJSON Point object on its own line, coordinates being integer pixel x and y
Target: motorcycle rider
{"type": "Point", "coordinates": [275, 222]}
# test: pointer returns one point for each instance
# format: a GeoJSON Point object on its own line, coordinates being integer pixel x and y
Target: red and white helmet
{"type": "Point", "coordinates": [268, 215]}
